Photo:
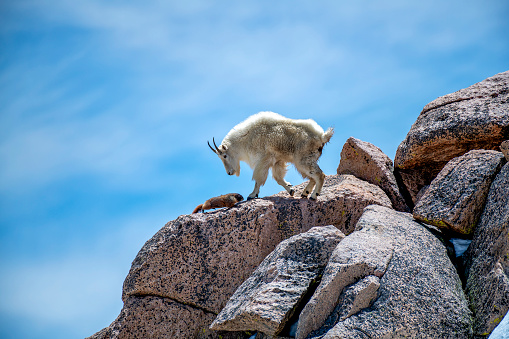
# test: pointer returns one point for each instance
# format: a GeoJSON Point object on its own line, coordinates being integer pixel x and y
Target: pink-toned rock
{"type": "Point", "coordinates": [266, 301]}
{"type": "Point", "coordinates": [455, 198]}
{"type": "Point", "coordinates": [367, 162]}
{"type": "Point", "coordinates": [476, 117]}
{"type": "Point", "coordinates": [199, 260]}
{"type": "Point", "coordinates": [184, 259]}
{"type": "Point", "coordinates": [153, 318]}
{"type": "Point", "coordinates": [412, 289]}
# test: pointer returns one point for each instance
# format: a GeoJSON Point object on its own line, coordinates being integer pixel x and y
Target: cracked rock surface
{"type": "Point", "coordinates": [353, 299]}
{"type": "Point", "coordinates": [419, 293]}
{"type": "Point", "coordinates": [267, 299]}
{"type": "Point", "coordinates": [154, 317]}
{"type": "Point", "coordinates": [199, 260]}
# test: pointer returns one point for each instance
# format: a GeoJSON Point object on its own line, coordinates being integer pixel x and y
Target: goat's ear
{"type": "Point", "coordinates": [224, 148]}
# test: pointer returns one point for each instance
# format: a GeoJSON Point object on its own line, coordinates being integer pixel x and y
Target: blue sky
{"type": "Point", "coordinates": [106, 108]}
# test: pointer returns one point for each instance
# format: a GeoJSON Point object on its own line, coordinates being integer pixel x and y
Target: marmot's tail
{"type": "Point", "coordinates": [198, 208]}
{"type": "Point", "coordinates": [327, 135]}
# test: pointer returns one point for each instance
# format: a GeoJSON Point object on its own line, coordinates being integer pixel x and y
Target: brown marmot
{"type": "Point", "coordinates": [225, 200]}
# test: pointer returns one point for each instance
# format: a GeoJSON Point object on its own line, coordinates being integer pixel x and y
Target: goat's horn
{"type": "Point", "coordinates": [215, 145]}
{"type": "Point", "coordinates": [213, 150]}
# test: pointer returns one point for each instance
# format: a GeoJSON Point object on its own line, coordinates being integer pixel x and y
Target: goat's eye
{"type": "Point", "coordinates": [224, 156]}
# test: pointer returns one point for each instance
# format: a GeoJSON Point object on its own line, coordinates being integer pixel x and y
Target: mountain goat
{"type": "Point", "coordinates": [268, 140]}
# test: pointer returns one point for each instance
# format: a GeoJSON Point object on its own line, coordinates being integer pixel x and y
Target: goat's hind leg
{"type": "Point", "coordinates": [278, 173]}
{"type": "Point", "coordinates": [309, 168]}
{"type": "Point", "coordinates": [308, 188]}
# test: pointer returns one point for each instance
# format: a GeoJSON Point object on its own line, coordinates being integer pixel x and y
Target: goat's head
{"type": "Point", "coordinates": [230, 161]}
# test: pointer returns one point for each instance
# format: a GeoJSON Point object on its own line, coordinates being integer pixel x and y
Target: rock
{"type": "Point", "coordinates": [153, 317]}
{"type": "Point", "coordinates": [504, 148]}
{"type": "Point", "coordinates": [487, 259]}
{"type": "Point", "coordinates": [420, 293]}
{"type": "Point", "coordinates": [476, 117]}
{"type": "Point", "coordinates": [502, 330]}
{"type": "Point", "coordinates": [267, 299]}
{"type": "Point", "coordinates": [353, 299]}
{"type": "Point", "coordinates": [342, 203]}
{"type": "Point", "coordinates": [455, 198]}
{"type": "Point", "coordinates": [359, 255]}
{"type": "Point", "coordinates": [199, 260]}
{"type": "Point", "coordinates": [421, 193]}
{"type": "Point", "coordinates": [366, 161]}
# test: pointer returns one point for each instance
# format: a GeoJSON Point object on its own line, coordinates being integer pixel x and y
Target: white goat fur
{"type": "Point", "coordinates": [270, 141]}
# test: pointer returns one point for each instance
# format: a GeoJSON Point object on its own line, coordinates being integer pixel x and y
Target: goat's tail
{"type": "Point", "coordinates": [198, 208]}
{"type": "Point", "coordinates": [327, 135]}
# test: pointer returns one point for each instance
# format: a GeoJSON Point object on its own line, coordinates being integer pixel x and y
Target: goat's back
{"type": "Point", "coordinates": [270, 131]}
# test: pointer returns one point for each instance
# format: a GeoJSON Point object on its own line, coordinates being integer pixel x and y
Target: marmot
{"type": "Point", "coordinates": [225, 200]}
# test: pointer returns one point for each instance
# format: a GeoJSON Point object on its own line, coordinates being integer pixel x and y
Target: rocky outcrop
{"type": "Point", "coordinates": [391, 276]}
{"type": "Point", "coordinates": [198, 261]}
{"type": "Point", "coordinates": [367, 162]}
{"type": "Point", "coordinates": [487, 259]}
{"type": "Point", "coordinates": [419, 293]}
{"type": "Point", "coordinates": [267, 299]}
{"type": "Point", "coordinates": [455, 198]}
{"type": "Point", "coordinates": [476, 117]}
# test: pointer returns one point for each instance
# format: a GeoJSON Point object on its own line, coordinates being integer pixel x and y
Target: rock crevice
{"type": "Point", "coordinates": [183, 303]}
{"type": "Point", "coordinates": [416, 269]}
{"type": "Point", "coordinates": [267, 300]}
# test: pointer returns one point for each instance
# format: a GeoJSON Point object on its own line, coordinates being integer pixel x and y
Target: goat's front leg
{"type": "Point", "coordinates": [318, 186]}
{"type": "Point", "coordinates": [255, 192]}
{"type": "Point", "coordinates": [260, 174]}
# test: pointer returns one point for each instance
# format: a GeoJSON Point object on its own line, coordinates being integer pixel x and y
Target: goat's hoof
{"type": "Point", "coordinates": [250, 198]}
{"type": "Point", "coordinates": [291, 192]}
{"type": "Point", "coordinates": [314, 197]}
